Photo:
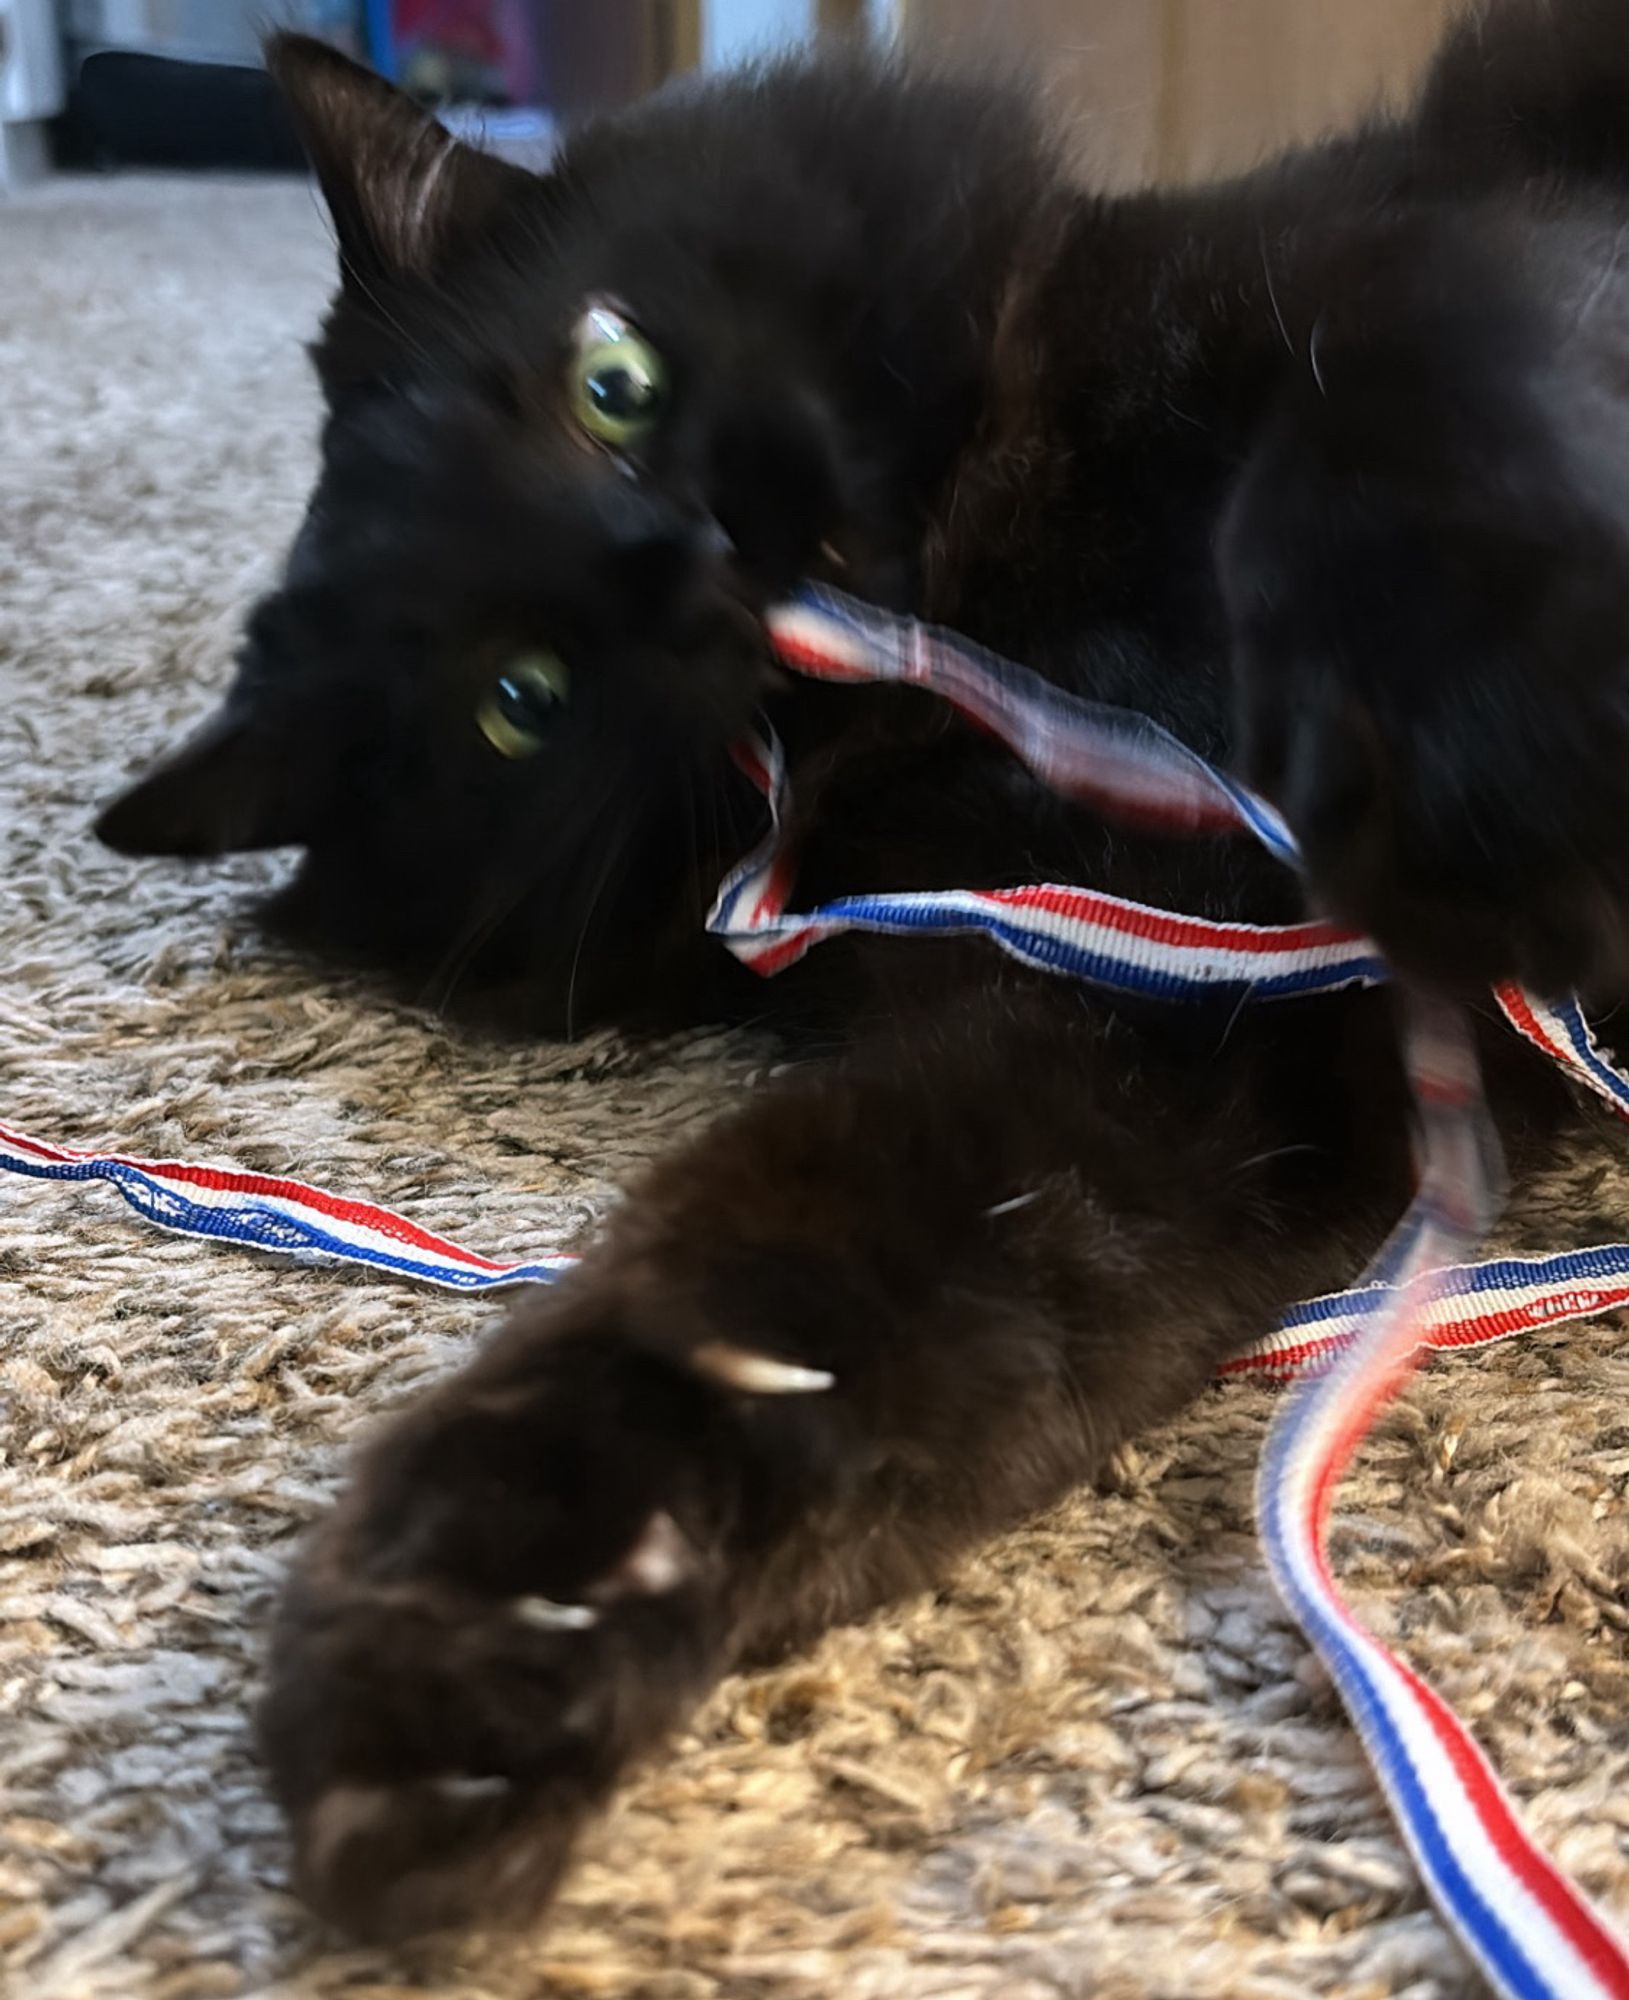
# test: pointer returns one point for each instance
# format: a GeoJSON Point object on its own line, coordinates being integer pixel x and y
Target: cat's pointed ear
{"type": "Point", "coordinates": [399, 187]}
{"type": "Point", "coordinates": [226, 790]}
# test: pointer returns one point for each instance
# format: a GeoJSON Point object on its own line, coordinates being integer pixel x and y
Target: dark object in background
{"type": "Point", "coordinates": [149, 111]}
{"type": "Point", "coordinates": [128, 107]}
{"type": "Point", "coordinates": [178, 83]}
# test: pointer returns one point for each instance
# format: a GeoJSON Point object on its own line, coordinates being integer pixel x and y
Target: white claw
{"type": "Point", "coordinates": [461, 1788]}
{"type": "Point", "coordinates": [758, 1374]}
{"type": "Point", "coordinates": [1017, 1202]}
{"type": "Point", "coordinates": [544, 1615]}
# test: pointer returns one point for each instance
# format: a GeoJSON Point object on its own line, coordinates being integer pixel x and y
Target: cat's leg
{"type": "Point", "coordinates": [879, 1313]}
{"type": "Point", "coordinates": [1426, 571]}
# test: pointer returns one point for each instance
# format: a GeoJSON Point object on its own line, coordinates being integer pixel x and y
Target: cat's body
{"type": "Point", "coordinates": [1323, 469]}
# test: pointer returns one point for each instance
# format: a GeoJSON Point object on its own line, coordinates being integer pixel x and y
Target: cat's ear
{"type": "Point", "coordinates": [228, 789]}
{"type": "Point", "coordinates": [400, 188]}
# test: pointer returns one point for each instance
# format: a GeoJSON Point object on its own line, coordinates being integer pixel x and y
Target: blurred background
{"type": "Point", "coordinates": [1166, 89]}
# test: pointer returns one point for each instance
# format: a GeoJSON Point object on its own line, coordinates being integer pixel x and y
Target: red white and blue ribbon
{"type": "Point", "coordinates": [271, 1212]}
{"type": "Point", "coordinates": [1123, 946]}
{"type": "Point", "coordinates": [1529, 1929]}
{"type": "Point", "coordinates": [1532, 1932]}
{"type": "Point", "coordinates": [1560, 1030]}
{"type": "Point", "coordinates": [1112, 758]}
{"type": "Point", "coordinates": [1472, 1305]}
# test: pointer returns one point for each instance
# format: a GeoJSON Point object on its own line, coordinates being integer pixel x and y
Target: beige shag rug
{"type": "Point", "coordinates": [1098, 1764]}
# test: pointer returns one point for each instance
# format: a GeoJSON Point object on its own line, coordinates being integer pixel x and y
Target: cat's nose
{"type": "Point", "coordinates": [713, 541]}
{"type": "Point", "coordinates": [722, 569]}
{"type": "Point", "coordinates": [669, 568]}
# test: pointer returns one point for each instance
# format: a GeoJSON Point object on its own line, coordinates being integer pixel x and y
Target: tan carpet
{"type": "Point", "coordinates": [1099, 1764]}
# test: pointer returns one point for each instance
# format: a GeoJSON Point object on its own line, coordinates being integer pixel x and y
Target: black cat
{"type": "Point", "coordinates": [1326, 468]}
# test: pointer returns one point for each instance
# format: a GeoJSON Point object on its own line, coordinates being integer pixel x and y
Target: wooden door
{"type": "Point", "coordinates": [1178, 89]}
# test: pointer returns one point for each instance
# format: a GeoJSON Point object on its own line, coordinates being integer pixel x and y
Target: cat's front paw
{"type": "Point", "coordinates": [524, 1590]}
{"type": "Point", "coordinates": [1433, 680]}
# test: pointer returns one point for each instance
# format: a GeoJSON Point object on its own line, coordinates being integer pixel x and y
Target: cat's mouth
{"type": "Point", "coordinates": [723, 644]}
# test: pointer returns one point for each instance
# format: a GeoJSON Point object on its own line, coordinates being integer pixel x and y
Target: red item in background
{"type": "Point", "coordinates": [563, 56]}
{"type": "Point", "coordinates": [469, 51]}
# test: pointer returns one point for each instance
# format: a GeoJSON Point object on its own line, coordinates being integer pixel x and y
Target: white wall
{"type": "Point", "coordinates": [31, 67]}
{"type": "Point", "coordinates": [733, 29]}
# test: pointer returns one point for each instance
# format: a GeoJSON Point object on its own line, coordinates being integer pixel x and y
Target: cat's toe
{"type": "Point", "coordinates": [522, 1593]}
{"type": "Point", "coordinates": [436, 1749]}
{"type": "Point", "coordinates": [386, 1863]}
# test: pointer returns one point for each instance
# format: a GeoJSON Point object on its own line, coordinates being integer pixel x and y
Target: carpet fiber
{"type": "Point", "coordinates": [1098, 1763]}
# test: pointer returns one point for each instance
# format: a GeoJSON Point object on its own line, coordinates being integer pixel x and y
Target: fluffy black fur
{"type": "Point", "coordinates": [1324, 468]}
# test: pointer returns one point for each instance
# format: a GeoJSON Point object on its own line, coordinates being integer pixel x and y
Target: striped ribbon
{"type": "Point", "coordinates": [270, 1212]}
{"type": "Point", "coordinates": [1529, 1929]}
{"type": "Point", "coordinates": [1532, 1932]}
{"type": "Point", "coordinates": [1080, 933]}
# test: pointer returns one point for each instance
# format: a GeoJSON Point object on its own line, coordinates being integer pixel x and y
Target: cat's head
{"type": "Point", "coordinates": [582, 427]}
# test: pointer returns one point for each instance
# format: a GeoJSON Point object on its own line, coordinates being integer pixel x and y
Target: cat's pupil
{"type": "Point", "coordinates": [621, 392]}
{"type": "Point", "coordinates": [524, 705]}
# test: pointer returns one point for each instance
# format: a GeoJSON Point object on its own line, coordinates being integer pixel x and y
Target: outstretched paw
{"type": "Point", "coordinates": [536, 1573]}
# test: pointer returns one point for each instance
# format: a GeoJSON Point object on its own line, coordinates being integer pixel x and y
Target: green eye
{"type": "Point", "coordinates": [519, 710]}
{"type": "Point", "coordinates": [616, 379]}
